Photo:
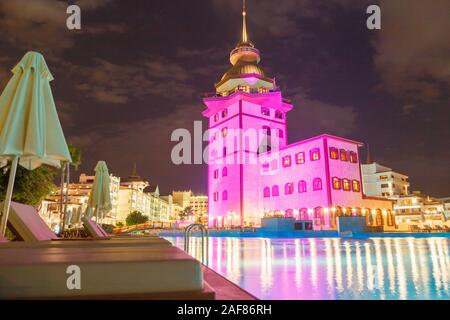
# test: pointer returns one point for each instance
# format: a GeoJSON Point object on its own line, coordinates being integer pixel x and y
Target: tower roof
{"type": "Point", "coordinates": [245, 58]}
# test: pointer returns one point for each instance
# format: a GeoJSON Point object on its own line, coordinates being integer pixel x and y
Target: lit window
{"type": "Point", "coordinates": [304, 214]}
{"type": "Point", "coordinates": [280, 134]}
{"type": "Point", "coordinates": [265, 111]}
{"type": "Point", "coordinates": [224, 172]}
{"type": "Point", "coordinates": [263, 90]}
{"type": "Point", "coordinates": [317, 184]}
{"type": "Point", "coordinates": [346, 184]}
{"type": "Point", "coordinates": [334, 153]}
{"type": "Point", "coordinates": [278, 114]}
{"type": "Point", "coordinates": [266, 167]}
{"type": "Point", "coordinates": [336, 183]}
{"type": "Point", "coordinates": [302, 186]}
{"type": "Point", "coordinates": [275, 191]}
{"type": "Point", "coordinates": [356, 186]}
{"type": "Point", "coordinates": [353, 157]}
{"type": "Point", "coordinates": [266, 192]}
{"type": "Point", "coordinates": [224, 113]}
{"type": "Point", "coordinates": [343, 155]}
{"type": "Point", "coordinates": [267, 131]}
{"type": "Point", "coordinates": [315, 154]}
{"type": "Point", "coordinates": [286, 161]}
{"type": "Point", "coordinates": [224, 195]}
{"type": "Point", "coordinates": [300, 158]}
{"type": "Point", "coordinates": [224, 132]}
{"type": "Point", "coordinates": [319, 218]}
{"type": "Point", "coordinates": [288, 188]}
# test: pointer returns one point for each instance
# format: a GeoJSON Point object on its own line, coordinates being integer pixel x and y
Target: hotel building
{"type": "Point", "coordinates": [253, 171]}
{"type": "Point", "coordinates": [381, 181]}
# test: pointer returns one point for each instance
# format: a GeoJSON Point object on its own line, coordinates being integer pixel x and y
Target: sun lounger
{"type": "Point", "coordinates": [93, 229]}
{"type": "Point", "coordinates": [26, 222]}
{"type": "Point", "coordinates": [106, 272]}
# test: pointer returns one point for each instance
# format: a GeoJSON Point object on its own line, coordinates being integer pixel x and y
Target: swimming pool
{"type": "Point", "coordinates": [332, 268]}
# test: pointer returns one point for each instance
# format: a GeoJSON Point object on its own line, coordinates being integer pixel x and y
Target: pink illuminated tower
{"type": "Point", "coordinates": [253, 171]}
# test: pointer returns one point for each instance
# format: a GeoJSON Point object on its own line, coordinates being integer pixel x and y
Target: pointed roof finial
{"type": "Point", "coordinates": [244, 38]}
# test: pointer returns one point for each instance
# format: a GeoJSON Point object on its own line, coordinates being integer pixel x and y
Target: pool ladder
{"type": "Point", "coordinates": [205, 236]}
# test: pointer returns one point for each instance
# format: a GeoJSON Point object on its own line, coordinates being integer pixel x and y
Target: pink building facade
{"type": "Point", "coordinates": [253, 172]}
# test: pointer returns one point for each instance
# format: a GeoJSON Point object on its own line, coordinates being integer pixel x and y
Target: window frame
{"type": "Point", "coordinates": [303, 160]}
{"type": "Point", "coordinates": [317, 184]}
{"type": "Point", "coordinates": [289, 158]}
{"type": "Point", "coordinates": [313, 152]}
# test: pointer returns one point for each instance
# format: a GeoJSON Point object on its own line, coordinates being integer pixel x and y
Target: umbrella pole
{"type": "Point", "coordinates": [66, 200]}
{"type": "Point", "coordinates": [9, 191]}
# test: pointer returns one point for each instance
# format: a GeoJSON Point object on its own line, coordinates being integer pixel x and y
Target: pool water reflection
{"type": "Point", "coordinates": [331, 268]}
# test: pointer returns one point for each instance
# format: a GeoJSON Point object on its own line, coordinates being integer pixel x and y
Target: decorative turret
{"type": "Point", "coordinates": [245, 59]}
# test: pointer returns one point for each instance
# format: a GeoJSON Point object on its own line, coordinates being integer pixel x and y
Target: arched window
{"type": "Point", "coordinates": [300, 158]}
{"type": "Point", "coordinates": [356, 186]}
{"type": "Point", "coordinates": [353, 157]}
{"type": "Point", "coordinates": [266, 192]}
{"type": "Point", "coordinates": [267, 131]}
{"type": "Point", "coordinates": [304, 214]}
{"type": "Point", "coordinates": [379, 218]}
{"type": "Point", "coordinates": [315, 154]}
{"type": "Point", "coordinates": [275, 191]}
{"type": "Point", "coordinates": [224, 132]}
{"type": "Point", "coordinates": [302, 186]}
{"type": "Point", "coordinates": [336, 183]}
{"type": "Point", "coordinates": [390, 219]}
{"type": "Point", "coordinates": [278, 114]}
{"type": "Point", "coordinates": [289, 213]}
{"type": "Point", "coordinates": [346, 184]}
{"type": "Point", "coordinates": [265, 111]}
{"type": "Point", "coordinates": [334, 153]}
{"type": "Point", "coordinates": [343, 154]}
{"type": "Point", "coordinates": [224, 113]}
{"type": "Point", "coordinates": [317, 184]}
{"type": "Point", "coordinates": [225, 195]}
{"type": "Point", "coordinates": [319, 218]}
{"type": "Point", "coordinates": [286, 161]}
{"type": "Point", "coordinates": [288, 188]}
{"type": "Point", "coordinates": [224, 172]}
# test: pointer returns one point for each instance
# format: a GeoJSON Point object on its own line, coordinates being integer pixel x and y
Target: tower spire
{"type": "Point", "coordinates": [244, 37]}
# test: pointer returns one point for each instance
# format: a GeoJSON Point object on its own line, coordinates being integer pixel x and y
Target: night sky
{"type": "Point", "coordinates": [138, 70]}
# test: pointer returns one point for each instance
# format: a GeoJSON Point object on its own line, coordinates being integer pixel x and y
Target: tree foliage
{"type": "Point", "coordinates": [186, 213]}
{"type": "Point", "coordinates": [30, 187]}
{"type": "Point", "coordinates": [135, 218]}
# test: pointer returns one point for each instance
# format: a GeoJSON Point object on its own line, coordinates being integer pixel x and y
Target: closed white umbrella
{"type": "Point", "coordinates": [30, 131]}
{"type": "Point", "coordinates": [99, 201]}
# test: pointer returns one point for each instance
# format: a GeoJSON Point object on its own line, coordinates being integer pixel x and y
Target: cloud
{"type": "Point", "coordinates": [41, 24]}
{"type": "Point", "coordinates": [317, 117]}
{"type": "Point", "coordinates": [412, 49]}
{"type": "Point", "coordinates": [108, 82]}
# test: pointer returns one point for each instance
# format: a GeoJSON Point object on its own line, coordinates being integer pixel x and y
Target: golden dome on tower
{"type": "Point", "coordinates": [245, 59]}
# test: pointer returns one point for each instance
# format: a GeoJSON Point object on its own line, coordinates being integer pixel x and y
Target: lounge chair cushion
{"type": "Point", "coordinates": [42, 272]}
{"type": "Point", "coordinates": [28, 224]}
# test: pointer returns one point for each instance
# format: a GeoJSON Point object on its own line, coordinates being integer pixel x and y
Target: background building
{"type": "Point", "coordinates": [198, 205]}
{"type": "Point", "coordinates": [381, 181]}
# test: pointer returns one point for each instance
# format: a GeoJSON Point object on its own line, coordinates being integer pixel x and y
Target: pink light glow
{"type": "Point", "coordinates": [245, 182]}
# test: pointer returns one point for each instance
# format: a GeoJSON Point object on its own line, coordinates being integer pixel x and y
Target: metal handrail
{"type": "Point", "coordinates": [205, 236]}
